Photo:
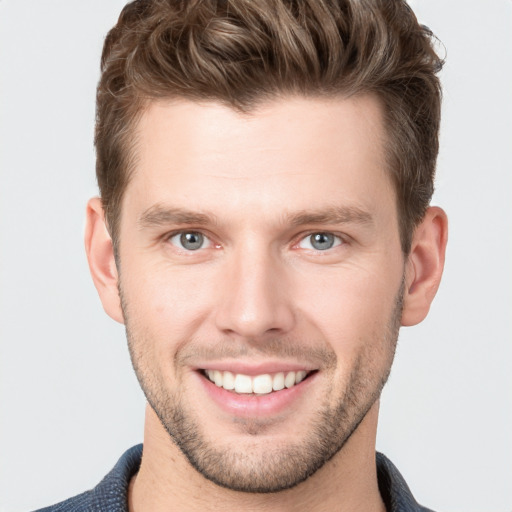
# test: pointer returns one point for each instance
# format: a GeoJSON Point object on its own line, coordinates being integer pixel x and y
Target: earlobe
{"type": "Point", "coordinates": [100, 255]}
{"type": "Point", "coordinates": [424, 266]}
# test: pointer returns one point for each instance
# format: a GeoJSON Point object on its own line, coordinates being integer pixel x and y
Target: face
{"type": "Point", "coordinates": [261, 273]}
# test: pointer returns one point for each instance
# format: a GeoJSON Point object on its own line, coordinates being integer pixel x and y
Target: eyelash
{"type": "Point", "coordinates": [339, 240]}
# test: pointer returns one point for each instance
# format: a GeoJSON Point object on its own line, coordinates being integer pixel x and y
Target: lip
{"type": "Point", "coordinates": [250, 405]}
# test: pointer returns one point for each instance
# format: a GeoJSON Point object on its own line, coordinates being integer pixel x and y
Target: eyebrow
{"type": "Point", "coordinates": [331, 215]}
{"type": "Point", "coordinates": [160, 215]}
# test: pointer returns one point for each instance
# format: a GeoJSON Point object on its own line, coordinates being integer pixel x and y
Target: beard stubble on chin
{"type": "Point", "coordinates": [257, 468]}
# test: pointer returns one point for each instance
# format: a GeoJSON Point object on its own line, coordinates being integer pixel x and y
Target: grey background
{"type": "Point", "coordinates": [70, 404]}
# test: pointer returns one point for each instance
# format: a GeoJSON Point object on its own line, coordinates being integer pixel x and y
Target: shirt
{"type": "Point", "coordinates": [110, 495]}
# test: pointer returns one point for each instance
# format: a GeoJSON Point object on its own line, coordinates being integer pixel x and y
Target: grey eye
{"type": "Point", "coordinates": [320, 241]}
{"type": "Point", "coordinates": [189, 240]}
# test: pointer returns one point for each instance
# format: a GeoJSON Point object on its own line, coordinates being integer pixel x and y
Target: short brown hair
{"type": "Point", "coordinates": [241, 52]}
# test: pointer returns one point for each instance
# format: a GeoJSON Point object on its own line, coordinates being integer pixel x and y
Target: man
{"type": "Point", "coordinates": [264, 229]}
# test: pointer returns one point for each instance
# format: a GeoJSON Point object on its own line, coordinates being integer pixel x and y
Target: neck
{"type": "Point", "coordinates": [166, 481]}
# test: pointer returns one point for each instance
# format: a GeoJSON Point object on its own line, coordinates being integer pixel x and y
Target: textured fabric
{"type": "Point", "coordinates": [110, 495]}
{"type": "Point", "coordinates": [394, 491]}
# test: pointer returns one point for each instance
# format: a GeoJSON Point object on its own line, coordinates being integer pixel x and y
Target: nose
{"type": "Point", "coordinates": [255, 299]}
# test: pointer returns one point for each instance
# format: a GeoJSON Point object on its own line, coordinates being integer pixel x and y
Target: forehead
{"type": "Point", "coordinates": [292, 153]}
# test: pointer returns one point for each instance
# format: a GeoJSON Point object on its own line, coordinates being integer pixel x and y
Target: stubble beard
{"type": "Point", "coordinates": [259, 468]}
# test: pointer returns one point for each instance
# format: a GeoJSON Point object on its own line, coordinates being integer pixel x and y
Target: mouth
{"type": "Point", "coordinates": [263, 384]}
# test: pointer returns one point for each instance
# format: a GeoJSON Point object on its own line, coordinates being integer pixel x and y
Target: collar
{"type": "Point", "coordinates": [110, 494]}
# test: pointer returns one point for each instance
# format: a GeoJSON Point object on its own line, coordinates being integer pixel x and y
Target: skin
{"type": "Point", "coordinates": [259, 295]}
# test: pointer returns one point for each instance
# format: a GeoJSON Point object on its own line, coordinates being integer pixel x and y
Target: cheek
{"type": "Point", "coordinates": [168, 302]}
{"type": "Point", "coordinates": [355, 315]}
{"type": "Point", "coordinates": [349, 308]}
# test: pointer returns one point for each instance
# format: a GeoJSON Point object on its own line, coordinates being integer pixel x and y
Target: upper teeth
{"type": "Point", "coordinates": [260, 384]}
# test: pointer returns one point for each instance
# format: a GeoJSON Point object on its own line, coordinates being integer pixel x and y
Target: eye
{"type": "Point", "coordinates": [190, 240]}
{"type": "Point", "coordinates": [320, 241]}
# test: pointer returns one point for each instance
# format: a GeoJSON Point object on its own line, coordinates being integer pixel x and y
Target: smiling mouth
{"type": "Point", "coordinates": [256, 384]}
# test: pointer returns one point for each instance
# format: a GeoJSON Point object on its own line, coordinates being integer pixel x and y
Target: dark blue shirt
{"type": "Point", "coordinates": [110, 495]}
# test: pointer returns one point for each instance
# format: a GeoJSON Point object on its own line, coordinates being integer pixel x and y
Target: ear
{"type": "Point", "coordinates": [100, 255]}
{"type": "Point", "coordinates": [424, 266]}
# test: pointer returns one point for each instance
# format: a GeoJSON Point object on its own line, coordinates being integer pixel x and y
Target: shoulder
{"type": "Point", "coordinates": [80, 503]}
{"type": "Point", "coordinates": [110, 494]}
